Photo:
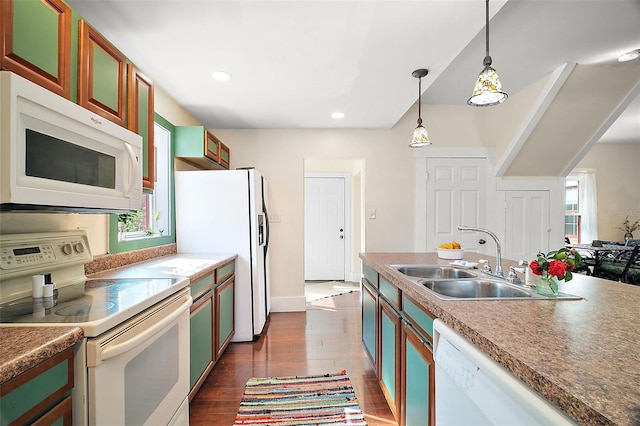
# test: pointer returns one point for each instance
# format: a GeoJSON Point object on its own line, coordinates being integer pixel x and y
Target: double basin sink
{"type": "Point", "coordinates": [448, 282]}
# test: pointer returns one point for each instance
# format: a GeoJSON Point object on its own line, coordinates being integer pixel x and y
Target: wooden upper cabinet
{"type": "Point", "coordinates": [140, 120]}
{"type": "Point", "coordinates": [198, 147]}
{"type": "Point", "coordinates": [36, 42]}
{"type": "Point", "coordinates": [212, 146]}
{"type": "Point", "coordinates": [101, 75]}
{"type": "Point", "coordinates": [224, 155]}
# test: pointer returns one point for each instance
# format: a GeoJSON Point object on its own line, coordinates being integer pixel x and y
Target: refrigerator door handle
{"type": "Point", "coordinates": [266, 221]}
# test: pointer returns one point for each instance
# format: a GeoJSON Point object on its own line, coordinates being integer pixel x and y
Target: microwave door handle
{"type": "Point", "coordinates": [134, 176]}
{"type": "Point", "coordinates": [115, 350]}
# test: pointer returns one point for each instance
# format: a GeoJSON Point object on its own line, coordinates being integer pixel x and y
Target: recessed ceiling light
{"type": "Point", "coordinates": [337, 115]}
{"type": "Point", "coordinates": [221, 76]}
{"type": "Point", "coordinates": [629, 56]}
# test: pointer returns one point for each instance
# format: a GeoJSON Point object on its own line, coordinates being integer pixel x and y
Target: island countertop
{"type": "Point", "coordinates": [581, 355]}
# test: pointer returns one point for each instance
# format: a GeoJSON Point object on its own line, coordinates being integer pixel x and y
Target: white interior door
{"type": "Point", "coordinates": [527, 224]}
{"type": "Point", "coordinates": [324, 228]}
{"type": "Point", "coordinates": [456, 195]}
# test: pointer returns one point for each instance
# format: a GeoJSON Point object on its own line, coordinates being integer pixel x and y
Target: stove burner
{"type": "Point", "coordinates": [83, 309]}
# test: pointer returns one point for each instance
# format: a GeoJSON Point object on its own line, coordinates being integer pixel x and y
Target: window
{"type": "Point", "coordinates": [581, 206]}
{"type": "Point", "coordinates": [572, 211]}
{"type": "Point", "coordinates": [153, 224]}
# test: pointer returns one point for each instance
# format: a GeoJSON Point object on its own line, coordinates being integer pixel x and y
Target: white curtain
{"type": "Point", "coordinates": [588, 201]}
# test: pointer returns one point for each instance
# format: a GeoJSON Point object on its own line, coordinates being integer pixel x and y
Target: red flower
{"type": "Point", "coordinates": [535, 267]}
{"type": "Point", "coordinates": [557, 268]}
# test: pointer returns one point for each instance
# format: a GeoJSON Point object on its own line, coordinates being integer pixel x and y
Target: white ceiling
{"type": "Point", "coordinates": [295, 62]}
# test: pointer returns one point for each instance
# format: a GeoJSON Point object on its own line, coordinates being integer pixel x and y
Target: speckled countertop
{"type": "Point", "coordinates": [583, 356]}
{"type": "Point", "coordinates": [22, 348]}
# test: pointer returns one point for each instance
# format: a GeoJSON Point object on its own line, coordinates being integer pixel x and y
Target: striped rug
{"type": "Point", "coordinates": [300, 400]}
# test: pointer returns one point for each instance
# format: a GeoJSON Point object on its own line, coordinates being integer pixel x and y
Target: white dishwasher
{"type": "Point", "coordinates": [473, 389]}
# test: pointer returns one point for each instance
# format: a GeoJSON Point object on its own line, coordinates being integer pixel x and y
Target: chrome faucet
{"type": "Point", "coordinates": [498, 251]}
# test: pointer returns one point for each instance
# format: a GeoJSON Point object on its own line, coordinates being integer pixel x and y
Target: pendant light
{"type": "Point", "coordinates": [420, 137]}
{"type": "Point", "coordinates": [488, 89]}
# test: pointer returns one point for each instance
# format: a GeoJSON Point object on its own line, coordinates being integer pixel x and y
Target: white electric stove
{"type": "Point", "coordinates": [137, 325]}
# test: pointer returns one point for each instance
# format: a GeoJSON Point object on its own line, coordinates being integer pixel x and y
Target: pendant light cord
{"type": "Point", "coordinates": [487, 59]}
{"type": "Point", "coordinates": [487, 27]}
{"type": "Point", "coordinates": [419, 100]}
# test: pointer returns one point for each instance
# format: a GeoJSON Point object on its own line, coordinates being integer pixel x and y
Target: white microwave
{"type": "Point", "coordinates": [58, 156]}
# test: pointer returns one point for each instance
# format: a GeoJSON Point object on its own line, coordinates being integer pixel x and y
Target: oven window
{"type": "Point", "coordinates": [150, 377]}
{"type": "Point", "coordinates": [51, 158]}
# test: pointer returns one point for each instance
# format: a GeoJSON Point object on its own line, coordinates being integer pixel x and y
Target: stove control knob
{"type": "Point", "coordinates": [78, 247]}
{"type": "Point", "coordinates": [67, 249]}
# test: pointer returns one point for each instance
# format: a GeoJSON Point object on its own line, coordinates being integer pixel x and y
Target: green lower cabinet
{"type": "Point", "coordinates": [225, 301]}
{"type": "Point", "coordinates": [41, 395]}
{"type": "Point", "coordinates": [418, 381]}
{"type": "Point", "coordinates": [369, 320]}
{"type": "Point", "coordinates": [390, 330]}
{"type": "Point", "coordinates": [201, 340]}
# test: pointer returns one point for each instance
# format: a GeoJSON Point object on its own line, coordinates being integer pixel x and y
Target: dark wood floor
{"type": "Point", "coordinates": [325, 339]}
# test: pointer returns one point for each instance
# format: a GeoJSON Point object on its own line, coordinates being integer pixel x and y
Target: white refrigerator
{"type": "Point", "coordinates": [225, 211]}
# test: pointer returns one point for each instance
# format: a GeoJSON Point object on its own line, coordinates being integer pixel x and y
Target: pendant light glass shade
{"type": "Point", "coordinates": [488, 89]}
{"type": "Point", "coordinates": [420, 137]}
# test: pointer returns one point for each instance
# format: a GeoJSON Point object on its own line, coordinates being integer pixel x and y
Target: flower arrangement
{"type": "Point", "coordinates": [558, 263]}
{"type": "Point", "coordinates": [629, 227]}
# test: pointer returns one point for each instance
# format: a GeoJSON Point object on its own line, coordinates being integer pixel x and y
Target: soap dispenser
{"type": "Point", "coordinates": [528, 273]}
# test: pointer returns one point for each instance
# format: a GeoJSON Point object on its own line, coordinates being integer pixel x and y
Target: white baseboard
{"type": "Point", "coordinates": [354, 277]}
{"type": "Point", "coordinates": [289, 304]}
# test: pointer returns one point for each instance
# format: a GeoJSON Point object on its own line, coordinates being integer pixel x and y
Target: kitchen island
{"type": "Point", "coordinates": [581, 355]}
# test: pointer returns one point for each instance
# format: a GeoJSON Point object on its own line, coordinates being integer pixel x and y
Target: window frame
{"type": "Point", "coordinates": [116, 246]}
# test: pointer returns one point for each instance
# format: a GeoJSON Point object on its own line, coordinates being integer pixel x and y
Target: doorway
{"type": "Point", "coordinates": [327, 231]}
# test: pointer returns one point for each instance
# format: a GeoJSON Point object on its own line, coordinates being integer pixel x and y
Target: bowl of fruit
{"type": "Point", "coordinates": [450, 250]}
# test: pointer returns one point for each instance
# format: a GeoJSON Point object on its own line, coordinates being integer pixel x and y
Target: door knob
{"type": "Point", "coordinates": [341, 230]}
{"type": "Point", "coordinates": [481, 241]}
{"type": "Point", "coordinates": [341, 236]}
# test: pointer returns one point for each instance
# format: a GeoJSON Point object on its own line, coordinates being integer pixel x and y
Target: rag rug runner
{"type": "Point", "coordinates": [300, 400]}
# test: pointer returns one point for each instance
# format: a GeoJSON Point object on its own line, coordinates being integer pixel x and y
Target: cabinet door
{"type": "Point", "coordinates": [42, 56]}
{"type": "Point", "coordinates": [370, 321]}
{"type": "Point", "coordinates": [418, 379]}
{"type": "Point", "coordinates": [212, 145]}
{"type": "Point", "coordinates": [61, 414]}
{"type": "Point", "coordinates": [224, 155]}
{"type": "Point", "coordinates": [225, 321]}
{"type": "Point", "coordinates": [201, 341]}
{"type": "Point", "coordinates": [101, 75]}
{"type": "Point", "coordinates": [141, 121]}
{"type": "Point", "coordinates": [390, 334]}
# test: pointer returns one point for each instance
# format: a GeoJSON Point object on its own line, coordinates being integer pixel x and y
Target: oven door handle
{"type": "Point", "coordinates": [115, 350]}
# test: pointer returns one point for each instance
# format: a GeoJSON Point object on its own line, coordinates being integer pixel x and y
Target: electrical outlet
{"type": "Point", "coordinates": [274, 218]}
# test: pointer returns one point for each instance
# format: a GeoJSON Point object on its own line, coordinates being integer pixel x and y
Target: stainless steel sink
{"type": "Point", "coordinates": [452, 283]}
{"type": "Point", "coordinates": [433, 271]}
{"type": "Point", "coordinates": [477, 289]}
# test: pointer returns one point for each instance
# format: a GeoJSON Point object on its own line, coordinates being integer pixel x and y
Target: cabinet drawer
{"type": "Point", "coordinates": [201, 286]}
{"type": "Point", "coordinates": [370, 275]}
{"type": "Point", "coordinates": [390, 292]}
{"type": "Point", "coordinates": [418, 316]}
{"type": "Point", "coordinates": [225, 271]}
{"type": "Point", "coordinates": [37, 389]}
